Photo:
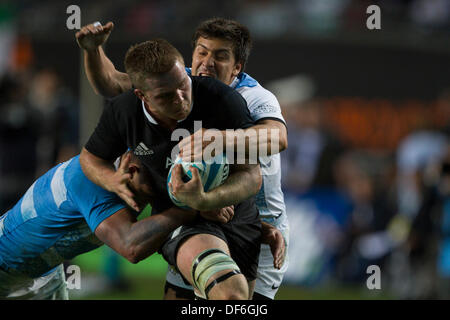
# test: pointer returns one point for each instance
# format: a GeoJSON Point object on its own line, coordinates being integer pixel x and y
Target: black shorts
{"type": "Point", "coordinates": [242, 234]}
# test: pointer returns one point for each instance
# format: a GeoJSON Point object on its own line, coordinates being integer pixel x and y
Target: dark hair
{"type": "Point", "coordinates": [145, 176]}
{"type": "Point", "coordinates": [149, 58]}
{"type": "Point", "coordinates": [229, 30]}
{"type": "Point", "coordinates": [145, 173]}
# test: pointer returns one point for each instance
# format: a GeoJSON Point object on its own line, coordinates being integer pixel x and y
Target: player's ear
{"type": "Point", "coordinates": [237, 69]}
{"type": "Point", "coordinates": [133, 169]}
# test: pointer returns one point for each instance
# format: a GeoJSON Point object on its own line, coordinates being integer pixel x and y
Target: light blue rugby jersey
{"type": "Point", "coordinates": [55, 220]}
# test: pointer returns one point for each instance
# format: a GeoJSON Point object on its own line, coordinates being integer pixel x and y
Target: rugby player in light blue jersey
{"type": "Point", "coordinates": [64, 214]}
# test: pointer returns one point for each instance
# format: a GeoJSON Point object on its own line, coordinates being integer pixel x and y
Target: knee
{"type": "Point", "coordinates": [240, 294]}
{"type": "Point", "coordinates": [231, 296]}
{"type": "Point", "coordinates": [234, 288]}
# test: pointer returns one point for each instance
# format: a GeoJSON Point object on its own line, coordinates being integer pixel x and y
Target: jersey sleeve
{"type": "Point", "coordinates": [93, 202]}
{"type": "Point", "coordinates": [262, 104]}
{"type": "Point", "coordinates": [106, 141]}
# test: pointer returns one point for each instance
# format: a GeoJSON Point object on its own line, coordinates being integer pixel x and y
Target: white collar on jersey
{"type": "Point", "coordinates": [234, 83]}
{"type": "Point", "coordinates": [149, 117]}
{"type": "Point", "coordinates": [152, 120]}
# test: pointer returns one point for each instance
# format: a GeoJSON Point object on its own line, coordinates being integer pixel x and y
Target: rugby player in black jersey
{"type": "Point", "coordinates": [220, 50]}
{"type": "Point", "coordinates": [143, 119]}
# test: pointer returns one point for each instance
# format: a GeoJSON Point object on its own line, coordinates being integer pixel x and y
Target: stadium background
{"type": "Point", "coordinates": [368, 113]}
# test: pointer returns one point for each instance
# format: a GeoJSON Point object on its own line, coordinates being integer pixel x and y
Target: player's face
{"type": "Point", "coordinates": [214, 58]}
{"type": "Point", "coordinates": [142, 190]}
{"type": "Point", "coordinates": [170, 95]}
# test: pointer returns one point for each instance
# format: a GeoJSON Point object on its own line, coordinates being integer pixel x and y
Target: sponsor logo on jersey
{"type": "Point", "coordinates": [143, 150]}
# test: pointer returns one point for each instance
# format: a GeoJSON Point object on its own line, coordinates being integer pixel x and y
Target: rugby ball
{"type": "Point", "coordinates": [213, 173]}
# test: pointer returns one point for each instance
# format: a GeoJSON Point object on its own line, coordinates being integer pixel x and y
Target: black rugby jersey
{"type": "Point", "coordinates": [124, 125]}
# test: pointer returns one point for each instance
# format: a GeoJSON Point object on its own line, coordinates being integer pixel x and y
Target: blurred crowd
{"type": "Point", "coordinates": [38, 128]}
{"type": "Point", "coordinates": [266, 18]}
{"type": "Point", "coordinates": [351, 206]}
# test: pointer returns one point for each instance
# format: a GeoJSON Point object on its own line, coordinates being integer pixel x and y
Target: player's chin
{"type": "Point", "coordinates": [207, 74]}
{"type": "Point", "coordinates": [182, 114]}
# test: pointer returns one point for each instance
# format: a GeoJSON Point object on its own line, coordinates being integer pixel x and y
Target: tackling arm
{"type": "Point", "coordinates": [266, 138]}
{"type": "Point", "coordinates": [136, 240]}
{"type": "Point", "coordinates": [276, 139]}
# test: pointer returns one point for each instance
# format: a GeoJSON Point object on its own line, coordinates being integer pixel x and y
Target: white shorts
{"type": "Point", "coordinates": [268, 278]}
{"type": "Point", "coordinates": [14, 285]}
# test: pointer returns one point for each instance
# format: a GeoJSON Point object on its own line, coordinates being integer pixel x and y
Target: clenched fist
{"type": "Point", "coordinates": [93, 35]}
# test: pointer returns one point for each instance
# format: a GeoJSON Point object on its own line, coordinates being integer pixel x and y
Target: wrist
{"type": "Point", "coordinates": [109, 182]}
{"type": "Point", "coordinates": [203, 204]}
{"type": "Point", "coordinates": [94, 51]}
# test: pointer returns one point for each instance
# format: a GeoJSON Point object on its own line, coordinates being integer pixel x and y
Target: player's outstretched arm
{"type": "Point", "coordinates": [101, 73]}
{"type": "Point", "coordinates": [103, 174]}
{"type": "Point", "coordinates": [244, 181]}
{"type": "Point", "coordinates": [136, 240]}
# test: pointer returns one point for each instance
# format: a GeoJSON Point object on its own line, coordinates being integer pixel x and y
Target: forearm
{"type": "Point", "coordinates": [102, 75]}
{"type": "Point", "coordinates": [270, 139]}
{"type": "Point", "coordinates": [97, 170]}
{"type": "Point", "coordinates": [239, 186]}
{"type": "Point", "coordinates": [146, 236]}
{"type": "Point", "coordinates": [263, 139]}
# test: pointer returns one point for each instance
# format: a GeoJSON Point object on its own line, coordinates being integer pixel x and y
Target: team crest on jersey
{"type": "Point", "coordinates": [143, 150]}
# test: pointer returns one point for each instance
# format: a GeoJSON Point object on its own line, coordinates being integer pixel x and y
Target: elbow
{"type": "Point", "coordinates": [107, 93]}
{"type": "Point", "coordinates": [131, 250]}
{"type": "Point", "coordinates": [113, 86]}
{"type": "Point", "coordinates": [278, 140]}
{"type": "Point", "coordinates": [283, 143]}
{"type": "Point", "coordinates": [137, 252]}
{"type": "Point", "coordinates": [133, 260]}
{"type": "Point", "coordinates": [97, 91]}
{"type": "Point", "coordinates": [132, 254]}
